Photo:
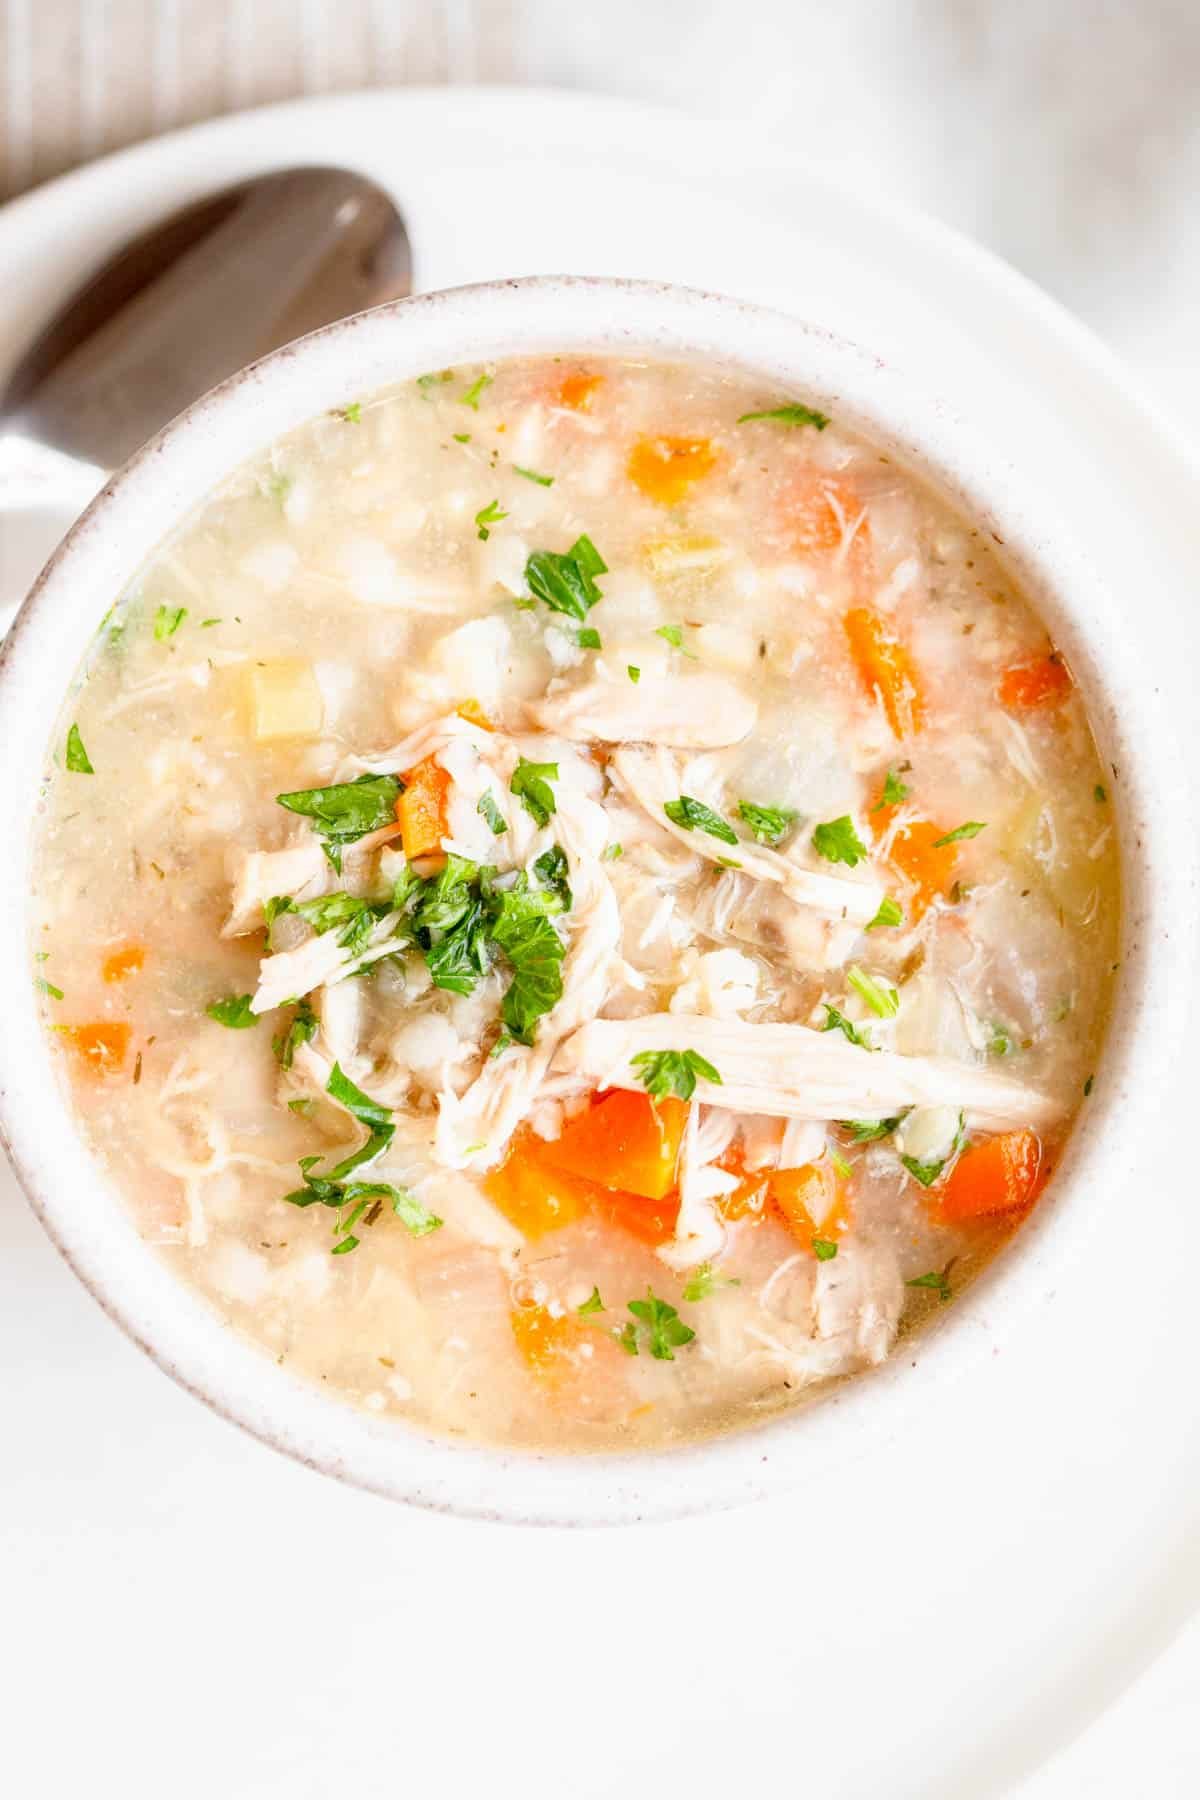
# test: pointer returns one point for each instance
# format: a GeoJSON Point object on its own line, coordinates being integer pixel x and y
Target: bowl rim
{"type": "Point", "coordinates": [330, 368]}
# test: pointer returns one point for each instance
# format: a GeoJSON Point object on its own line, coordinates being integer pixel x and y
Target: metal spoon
{"type": "Point", "coordinates": [195, 298]}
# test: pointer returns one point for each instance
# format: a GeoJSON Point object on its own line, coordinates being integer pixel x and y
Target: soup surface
{"type": "Point", "coordinates": [576, 902]}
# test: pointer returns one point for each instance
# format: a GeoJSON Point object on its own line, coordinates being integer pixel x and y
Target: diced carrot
{"type": "Point", "coordinates": [421, 808]}
{"type": "Point", "coordinates": [664, 468]}
{"type": "Point", "coordinates": [650, 1221]}
{"type": "Point", "coordinates": [886, 670]}
{"type": "Point", "coordinates": [749, 1200]}
{"type": "Point", "coordinates": [102, 1047]}
{"type": "Point", "coordinates": [125, 961]}
{"type": "Point", "coordinates": [475, 715]}
{"type": "Point", "coordinates": [996, 1175]}
{"type": "Point", "coordinates": [531, 1195]}
{"type": "Point", "coordinates": [1044, 682]}
{"type": "Point", "coordinates": [820, 513]}
{"type": "Point", "coordinates": [576, 389]}
{"type": "Point", "coordinates": [812, 1201]}
{"type": "Point", "coordinates": [925, 864]}
{"type": "Point", "coordinates": [547, 1341]}
{"type": "Point", "coordinates": [624, 1140]}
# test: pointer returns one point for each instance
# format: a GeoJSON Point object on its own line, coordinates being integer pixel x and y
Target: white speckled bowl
{"type": "Point", "coordinates": [170, 477]}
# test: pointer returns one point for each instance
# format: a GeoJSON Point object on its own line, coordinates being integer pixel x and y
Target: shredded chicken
{"type": "Point", "coordinates": [687, 712]}
{"type": "Point", "coordinates": [291, 974]}
{"type": "Point", "coordinates": [302, 870]}
{"type": "Point", "coordinates": [699, 1228]}
{"type": "Point", "coordinates": [652, 777]}
{"type": "Point", "coordinates": [792, 1071]}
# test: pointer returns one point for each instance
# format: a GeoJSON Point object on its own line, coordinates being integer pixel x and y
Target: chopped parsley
{"type": "Point", "coordinates": [612, 852]}
{"type": "Point", "coordinates": [551, 870]}
{"type": "Point", "coordinates": [693, 814]}
{"type": "Point", "coordinates": [663, 1072]}
{"type": "Point", "coordinates": [487, 809]}
{"type": "Point", "coordinates": [869, 1131]}
{"type": "Point", "coordinates": [1099, 793]}
{"type": "Point", "coordinates": [593, 1304]}
{"type": "Point", "coordinates": [461, 437]}
{"type": "Point", "coordinates": [471, 397]}
{"type": "Point", "coordinates": [77, 757]}
{"type": "Point", "coordinates": [491, 514]}
{"type": "Point", "coordinates": [837, 1021]}
{"type": "Point", "coordinates": [999, 1042]}
{"type": "Point", "coordinates": [47, 987]}
{"type": "Point", "coordinates": [927, 1172]}
{"type": "Point", "coordinates": [936, 1279]}
{"type": "Point", "coordinates": [704, 1281]}
{"type": "Point", "coordinates": [207, 624]}
{"type": "Point", "coordinates": [436, 378]}
{"type": "Point", "coordinates": [353, 413]}
{"type": "Point", "coordinates": [889, 914]}
{"type": "Point", "coordinates": [971, 829]}
{"type": "Point", "coordinates": [673, 635]}
{"type": "Point", "coordinates": [824, 1249]}
{"type": "Point", "coordinates": [347, 811]}
{"type": "Point", "coordinates": [895, 791]}
{"type": "Point", "coordinates": [588, 638]}
{"type": "Point", "coordinates": [531, 784]}
{"type": "Point", "coordinates": [794, 413]}
{"type": "Point", "coordinates": [234, 1012]}
{"type": "Point", "coordinates": [633, 672]}
{"type": "Point", "coordinates": [567, 582]}
{"type": "Point", "coordinates": [770, 824]}
{"type": "Point", "coordinates": [301, 1030]}
{"type": "Point", "coordinates": [837, 841]}
{"type": "Point", "coordinates": [661, 1328]}
{"type": "Point", "coordinates": [532, 475]}
{"type": "Point", "coordinates": [884, 1002]}
{"type": "Point", "coordinates": [167, 621]}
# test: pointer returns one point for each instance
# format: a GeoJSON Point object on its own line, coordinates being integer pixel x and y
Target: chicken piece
{"type": "Point", "coordinates": [320, 961]}
{"type": "Point", "coordinates": [427, 740]}
{"type": "Point", "coordinates": [652, 778]}
{"type": "Point", "coordinates": [302, 870]}
{"type": "Point", "coordinates": [688, 712]}
{"type": "Point", "coordinates": [722, 983]}
{"type": "Point", "coordinates": [699, 1227]}
{"type": "Point", "coordinates": [792, 1071]}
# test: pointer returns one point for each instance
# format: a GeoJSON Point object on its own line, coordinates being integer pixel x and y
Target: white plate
{"type": "Point", "coordinates": [929, 1623]}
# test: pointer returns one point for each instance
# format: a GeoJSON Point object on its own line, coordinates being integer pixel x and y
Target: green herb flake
{"type": "Point", "coordinates": [304, 1107]}
{"type": "Point", "coordinates": [301, 1030]}
{"type": "Point", "coordinates": [1099, 793]}
{"type": "Point", "coordinates": [838, 842]}
{"type": "Point", "coordinates": [437, 378]}
{"type": "Point", "coordinates": [47, 987]}
{"type": "Point", "coordinates": [471, 397]}
{"type": "Point", "coordinates": [353, 413]}
{"type": "Point", "coordinates": [233, 1013]}
{"type": "Point", "coordinates": [531, 784]}
{"type": "Point", "coordinates": [895, 791]}
{"type": "Point", "coordinates": [78, 761]}
{"type": "Point", "coordinates": [588, 638]}
{"type": "Point", "coordinates": [837, 1021]}
{"type": "Point", "coordinates": [843, 1168]}
{"type": "Point", "coordinates": [491, 514]}
{"type": "Point", "coordinates": [869, 1131]}
{"type": "Point", "coordinates": [663, 1072]}
{"type": "Point", "coordinates": [971, 829]}
{"type": "Point", "coordinates": [999, 1041]}
{"type": "Point", "coordinates": [167, 621]}
{"type": "Point", "coordinates": [633, 672]}
{"type": "Point", "coordinates": [347, 811]}
{"type": "Point", "coordinates": [673, 635]}
{"type": "Point", "coordinates": [488, 809]}
{"type": "Point", "coordinates": [612, 853]}
{"type": "Point", "coordinates": [593, 1304]}
{"type": "Point", "coordinates": [532, 475]}
{"type": "Point", "coordinates": [567, 582]}
{"type": "Point", "coordinates": [692, 815]}
{"type": "Point", "coordinates": [207, 624]}
{"type": "Point", "coordinates": [462, 437]}
{"type": "Point", "coordinates": [627, 1338]}
{"type": "Point", "coordinates": [665, 1330]}
{"type": "Point", "coordinates": [794, 413]}
{"type": "Point", "coordinates": [889, 914]}
{"type": "Point", "coordinates": [883, 1001]}
{"type": "Point", "coordinates": [769, 824]}
{"type": "Point", "coordinates": [824, 1249]}
{"type": "Point", "coordinates": [936, 1280]}
{"type": "Point", "coordinates": [704, 1282]}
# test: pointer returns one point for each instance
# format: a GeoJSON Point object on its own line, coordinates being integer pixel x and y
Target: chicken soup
{"type": "Point", "coordinates": [576, 902]}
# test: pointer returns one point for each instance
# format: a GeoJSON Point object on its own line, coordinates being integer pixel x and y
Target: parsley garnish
{"type": "Point", "coordinates": [167, 621]}
{"type": "Point", "coordinates": [353, 413]}
{"type": "Point", "coordinates": [673, 635]}
{"type": "Point", "coordinates": [612, 852]}
{"type": "Point", "coordinates": [302, 1030]}
{"type": "Point", "coordinates": [234, 1012]}
{"type": "Point", "coordinates": [531, 784]}
{"type": "Point", "coordinates": [205, 624]}
{"type": "Point", "coordinates": [770, 824]}
{"type": "Point", "coordinates": [927, 1172]}
{"type": "Point", "coordinates": [971, 829]}
{"type": "Point", "coordinates": [665, 1330]}
{"type": "Point", "coordinates": [47, 987]}
{"type": "Point", "coordinates": [633, 672]}
{"type": "Point", "coordinates": [664, 1072]}
{"type": "Point", "coordinates": [344, 813]}
{"type": "Point", "coordinates": [532, 475]}
{"type": "Point", "coordinates": [593, 1304]}
{"type": "Point", "coordinates": [935, 1279]}
{"type": "Point", "coordinates": [551, 870]}
{"type": "Point", "coordinates": [432, 380]}
{"type": "Point", "coordinates": [824, 1249]}
{"type": "Point", "coordinates": [461, 437]}
{"type": "Point", "coordinates": [837, 1021]}
{"type": "Point", "coordinates": [837, 841]}
{"type": "Point", "coordinates": [487, 809]}
{"type": "Point", "coordinates": [567, 582]}
{"type": "Point", "coordinates": [794, 413]}
{"type": "Point", "coordinates": [471, 397]}
{"type": "Point", "coordinates": [889, 914]}
{"type": "Point", "coordinates": [704, 1281]}
{"type": "Point", "coordinates": [491, 514]}
{"type": "Point", "coordinates": [895, 791]}
{"type": "Point", "coordinates": [869, 1131]}
{"type": "Point", "coordinates": [1099, 794]}
{"type": "Point", "coordinates": [999, 1042]}
{"type": "Point", "coordinates": [691, 814]}
{"type": "Point", "coordinates": [588, 638]}
{"type": "Point", "coordinates": [884, 1002]}
{"type": "Point", "coordinates": [77, 756]}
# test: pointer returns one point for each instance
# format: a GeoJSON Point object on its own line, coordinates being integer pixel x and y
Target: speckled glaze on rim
{"type": "Point", "coordinates": [171, 476]}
